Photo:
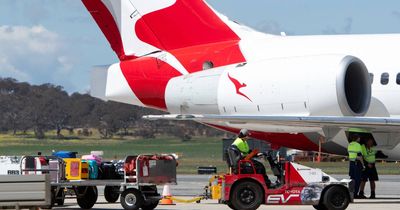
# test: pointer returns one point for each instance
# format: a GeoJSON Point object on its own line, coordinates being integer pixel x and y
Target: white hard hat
{"type": "Point", "coordinates": [244, 132]}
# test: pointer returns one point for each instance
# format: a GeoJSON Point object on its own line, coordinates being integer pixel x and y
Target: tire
{"type": "Point", "coordinates": [60, 197]}
{"type": "Point", "coordinates": [230, 205]}
{"type": "Point", "coordinates": [131, 199]}
{"type": "Point", "coordinates": [336, 198]}
{"type": "Point", "coordinates": [246, 195]}
{"type": "Point", "coordinates": [320, 207]}
{"type": "Point", "coordinates": [111, 193]}
{"type": "Point", "coordinates": [53, 199]}
{"type": "Point", "coordinates": [150, 206]}
{"type": "Point", "coordinates": [86, 197]}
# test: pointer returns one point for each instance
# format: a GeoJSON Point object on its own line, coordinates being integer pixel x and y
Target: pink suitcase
{"type": "Point", "coordinates": [92, 157]}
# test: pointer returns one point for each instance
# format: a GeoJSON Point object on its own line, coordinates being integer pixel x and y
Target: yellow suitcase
{"type": "Point", "coordinates": [73, 168]}
{"type": "Point", "coordinates": [85, 170]}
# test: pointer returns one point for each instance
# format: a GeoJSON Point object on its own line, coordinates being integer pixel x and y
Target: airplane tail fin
{"type": "Point", "coordinates": [135, 28]}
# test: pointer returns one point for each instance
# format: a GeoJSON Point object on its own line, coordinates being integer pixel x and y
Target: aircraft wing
{"type": "Point", "coordinates": [370, 123]}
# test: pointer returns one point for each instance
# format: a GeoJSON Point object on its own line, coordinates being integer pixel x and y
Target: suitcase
{"type": "Point", "coordinates": [108, 171]}
{"type": "Point", "coordinates": [31, 164]}
{"type": "Point", "coordinates": [98, 159]}
{"type": "Point", "coordinates": [97, 153]}
{"type": "Point", "coordinates": [93, 169]}
{"type": "Point", "coordinates": [119, 168]}
{"type": "Point", "coordinates": [55, 164]}
{"type": "Point", "coordinates": [44, 162]}
{"type": "Point", "coordinates": [84, 170]}
{"type": "Point", "coordinates": [65, 154]}
{"type": "Point", "coordinates": [130, 165]}
{"type": "Point", "coordinates": [73, 168]}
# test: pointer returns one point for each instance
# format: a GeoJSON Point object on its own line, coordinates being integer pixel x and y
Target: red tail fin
{"type": "Point", "coordinates": [139, 27]}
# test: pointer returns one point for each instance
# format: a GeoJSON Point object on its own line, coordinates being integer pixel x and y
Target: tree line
{"type": "Point", "coordinates": [40, 108]}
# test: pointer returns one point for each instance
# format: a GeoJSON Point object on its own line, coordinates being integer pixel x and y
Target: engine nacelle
{"type": "Point", "coordinates": [327, 85]}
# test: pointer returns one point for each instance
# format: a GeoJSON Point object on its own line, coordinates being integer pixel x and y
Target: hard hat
{"type": "Point", "coordinates": [244, 132]}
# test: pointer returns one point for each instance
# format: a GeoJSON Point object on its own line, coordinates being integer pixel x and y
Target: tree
{"type": "Point", "coordinates": [46, 107]}
{"type": "Point", "coordinates": [13, 104]}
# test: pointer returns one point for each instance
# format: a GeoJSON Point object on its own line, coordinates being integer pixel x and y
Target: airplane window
{"type": "Point", "coordinates": [385, 78]}
{"type": "Point", "coordinates": [371, 77]}
{"type": "Point", "coordinates": [398, 79]}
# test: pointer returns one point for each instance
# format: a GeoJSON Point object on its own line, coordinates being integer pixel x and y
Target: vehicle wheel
{"type": "Point", "coordinates": [336, 198]}
{"type": "Point", "coordinates": [150, 206]}
{"type": "Point", "coordinates": [246, 195]}
{"type": "Point", "coordinates": [53, 199]}
{"type": "Point", "coordinates": [86, 197]}
{"type": "Point", "coordinates": [320, 207]}
{"type": "Point", "coordinates": [132, 199]}
{"type": "Point", "coordinates": [111, 193]}
{"type": "Point", "coordinates": [60, 197]}
{"type": "Point", "coordinates": [230, 205]}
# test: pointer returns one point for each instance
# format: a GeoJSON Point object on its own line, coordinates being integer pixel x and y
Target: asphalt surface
{"type": "Point", "coordinates": [388, 196]}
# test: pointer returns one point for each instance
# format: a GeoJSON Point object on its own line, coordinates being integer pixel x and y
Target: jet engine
{"type": "Point", "coordinates": [323, 85]}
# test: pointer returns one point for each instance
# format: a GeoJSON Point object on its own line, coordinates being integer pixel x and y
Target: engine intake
{"type": "Point", "coordinates": [353, 87]}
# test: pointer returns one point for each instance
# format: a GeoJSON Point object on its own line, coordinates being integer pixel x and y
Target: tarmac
{"type": "Point", "coordinates": [388, 196]}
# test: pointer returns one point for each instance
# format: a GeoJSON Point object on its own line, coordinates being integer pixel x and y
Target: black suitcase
{"type": "Point", "coordinates": [107, 171]}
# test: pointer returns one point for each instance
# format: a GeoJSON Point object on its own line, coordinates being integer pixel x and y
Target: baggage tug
{"type": "Point", "coordinates": [244, 189]}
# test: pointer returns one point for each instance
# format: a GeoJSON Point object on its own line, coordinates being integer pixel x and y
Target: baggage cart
{"type": "Point", "coordinates": [136, 189]}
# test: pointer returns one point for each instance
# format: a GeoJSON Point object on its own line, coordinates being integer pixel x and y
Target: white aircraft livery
{"type": "Point", "coordinates": [185, 58]}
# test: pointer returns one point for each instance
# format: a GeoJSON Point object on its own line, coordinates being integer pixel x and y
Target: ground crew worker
{"type": "Point", "coordinates": [243, 146]}
{"type": "Point", "coordinates": [370, 173]}
{"type": "Point", "coordinates": [356, 165]}
{"type": "Point", "coordinates": [241, 142]}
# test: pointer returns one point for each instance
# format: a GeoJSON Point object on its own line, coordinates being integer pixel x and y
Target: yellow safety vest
{"type": "Point", "coordinates": [354, 149]}
{"type": "Point", "coordinates": [242, 146]}
{"type": "Point", "coordinates": [368, 154]}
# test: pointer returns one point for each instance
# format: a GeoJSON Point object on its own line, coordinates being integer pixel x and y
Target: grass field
{"type": "Point", "coordinates": [194, 153]}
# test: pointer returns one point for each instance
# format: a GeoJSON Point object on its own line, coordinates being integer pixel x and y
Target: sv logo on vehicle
{"type": "Point", "coordinates": [276, 199]}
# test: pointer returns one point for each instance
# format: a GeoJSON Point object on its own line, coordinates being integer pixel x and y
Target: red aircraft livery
{"type": "Point", "coordinates": [291, 91]}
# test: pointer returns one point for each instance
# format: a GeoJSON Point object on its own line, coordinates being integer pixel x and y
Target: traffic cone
{"type": "Point", "coordinates": [166, 196]}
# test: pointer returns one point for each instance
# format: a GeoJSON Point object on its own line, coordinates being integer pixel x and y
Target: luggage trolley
{"type": "Point", "coordinates": [137, 188]}
{"type": "Point", "coordinates": [142, 174]}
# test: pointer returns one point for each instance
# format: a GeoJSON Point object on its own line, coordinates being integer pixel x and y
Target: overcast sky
{"type": "Point", "coordinates": [56, 41]}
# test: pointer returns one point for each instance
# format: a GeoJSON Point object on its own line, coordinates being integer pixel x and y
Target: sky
{"type": "Point", "coordinates": [57, 41]}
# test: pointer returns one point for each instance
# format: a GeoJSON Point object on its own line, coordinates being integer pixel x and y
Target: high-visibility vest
{"type": "Point", "coordinates": [368, 154]}
{"type": "Point", "coordinates": [242, 146]}
{"type": "Point", "coordinates": [354, 149]}
{"type": "Point", "coordinates": [357, 130]}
